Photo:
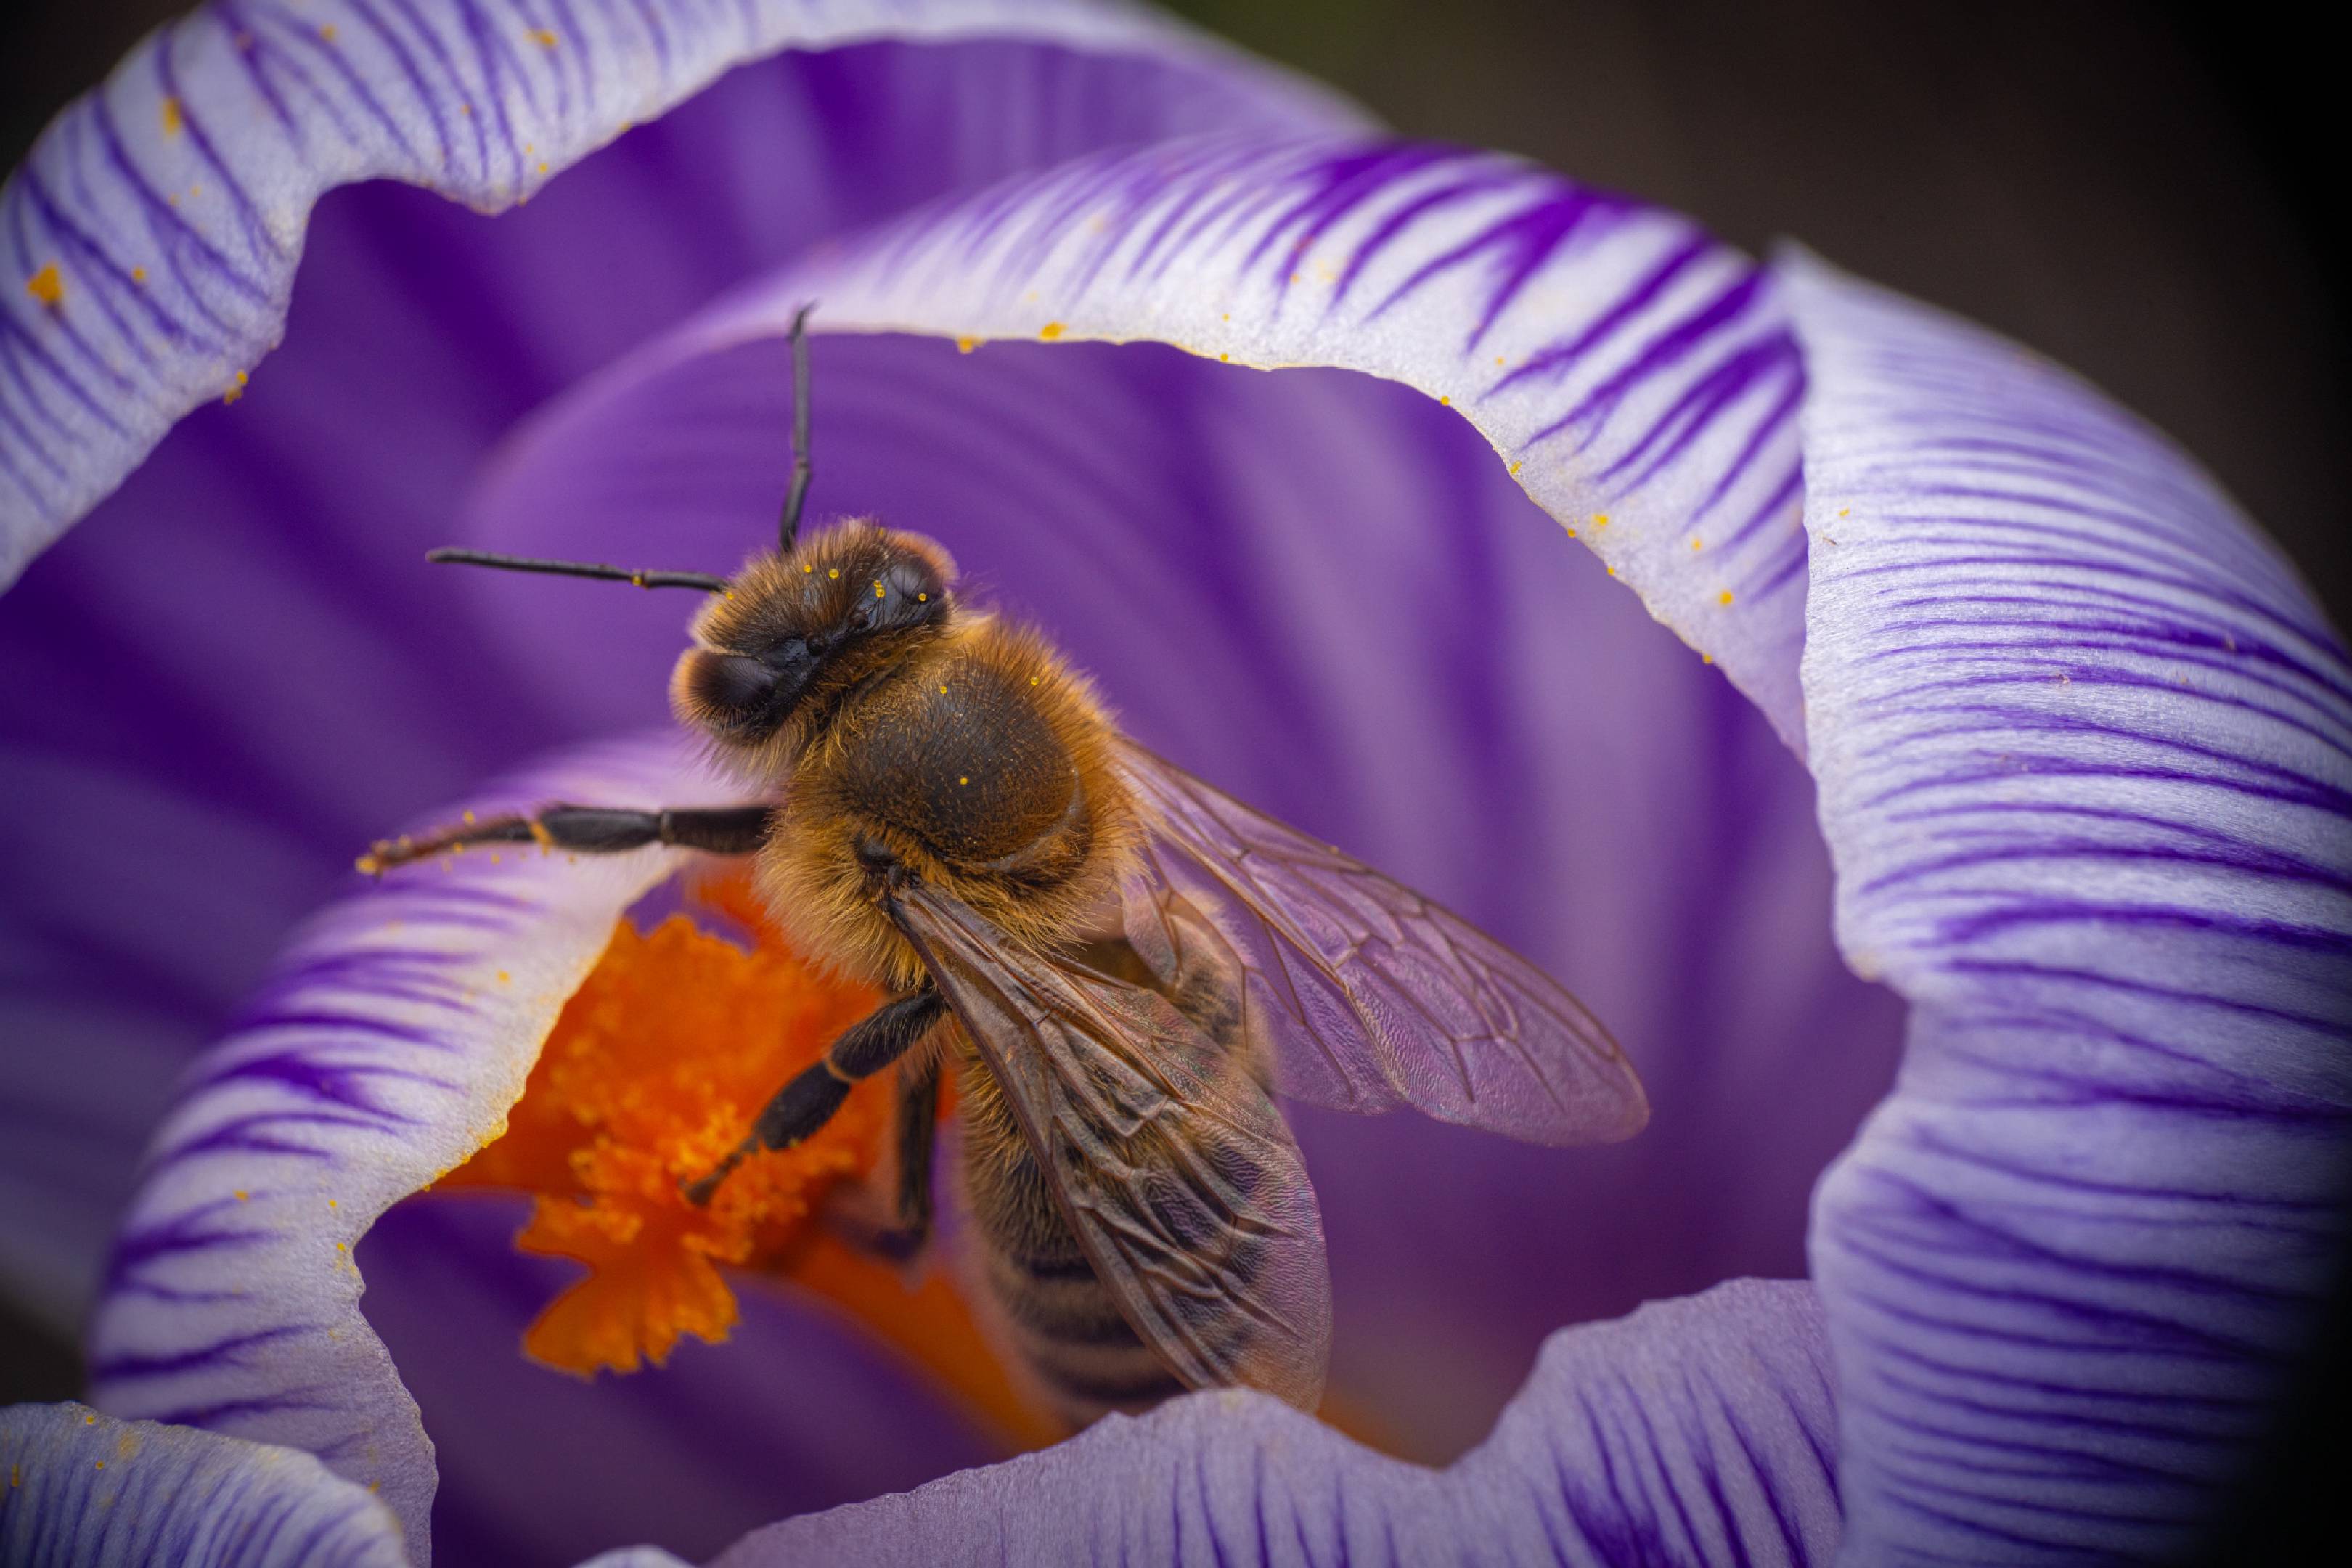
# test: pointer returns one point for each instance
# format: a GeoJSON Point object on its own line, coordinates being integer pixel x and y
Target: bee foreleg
{"type": "Point", "coordinates": [809, 1101]}
{"type": "Point", "coordinates": [588, 830]}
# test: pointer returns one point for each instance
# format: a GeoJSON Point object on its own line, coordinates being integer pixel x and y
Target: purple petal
{"type": "Point", "coordinates": [150, 239]}
{"type": "Point", "coordinates": [1694, 1431]}
{"type": "Point", "coordinates": [2085, 755]}
{"type": "Point", "coordinates": [384, 1052]}
{"type": "Point", "coordinates": [238, 671]}
{"type": "Point", "coordinates": [1638, 377]}
{"type": "Point", "coordinates": [799, 1409]}
{"type": "Point", "coordinates": [86, 1489]}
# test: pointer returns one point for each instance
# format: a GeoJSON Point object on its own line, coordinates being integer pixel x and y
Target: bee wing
{"type": "Point", "coordinates": [1174, 1170]}
{"type": "Point", "coordinates": [1362, 994]}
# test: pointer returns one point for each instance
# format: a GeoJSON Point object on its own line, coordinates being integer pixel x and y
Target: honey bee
{"type": "Point", "coordinates": [1119, 962]}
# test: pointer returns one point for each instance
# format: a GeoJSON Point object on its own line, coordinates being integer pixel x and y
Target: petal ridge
{"type": "Point", "coordinates": [86, 1488]}
{"type": "Point", "coordinates": [385, 1049]}
{"type": "Point", "coordinates": [1637, 376]}
{"type": "Point", "coordinates": [148, 243]}
{"type": "Point", "coordinates": [1694, 1431]}
{"type": "Point", "coordinates": [2085, 762]}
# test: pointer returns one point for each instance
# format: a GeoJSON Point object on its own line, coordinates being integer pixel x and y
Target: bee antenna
{"type": "Point", "coordinates": [701, 580]}
{"type": "Point", "coordinates": [802, 468]}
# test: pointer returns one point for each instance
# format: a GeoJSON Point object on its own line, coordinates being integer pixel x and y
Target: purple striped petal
{"type": "Point", "coordinates": [2084, 749]}
{"type": "Point", "coordinates": [87, 1490]}
{"type": "Point", "coordinates": [149, 242]}
{"type": "Point", "coordinates": [1695, 1431]}
{"type": "Point", "coordinates": [385, 1051]}
{"type": "Point", "coordinates": [1638, 377]}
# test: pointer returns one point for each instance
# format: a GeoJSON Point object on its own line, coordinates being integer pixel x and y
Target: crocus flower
{"type": "Point", "coordinates": [1980, 922]}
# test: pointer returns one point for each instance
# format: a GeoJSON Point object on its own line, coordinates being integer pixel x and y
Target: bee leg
{"type": "Point", "coordinates": [809, 1101]}
{"type": "Point", "coordinates": [588, 830]}
{"type": "Point", "coordinates": [917, 1132]}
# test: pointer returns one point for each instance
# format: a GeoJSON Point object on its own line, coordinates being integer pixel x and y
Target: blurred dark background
{"type": "Point", "coordinates": [2142, 192]}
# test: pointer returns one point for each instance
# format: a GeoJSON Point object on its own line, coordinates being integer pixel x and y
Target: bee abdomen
{"type": "Point", "coordinates": [1091, 1380]}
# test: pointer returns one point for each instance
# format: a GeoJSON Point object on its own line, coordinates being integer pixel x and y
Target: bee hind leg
{"type": "Point", "coordinates": [588, 830]}
{"type": "Point", "coordinates": [807, 1102]}
{"type": "Point", "coordinates": [915, 1133]}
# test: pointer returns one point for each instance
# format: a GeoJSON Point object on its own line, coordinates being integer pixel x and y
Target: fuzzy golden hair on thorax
{"type": "Point", "coordinates": [985, 766]}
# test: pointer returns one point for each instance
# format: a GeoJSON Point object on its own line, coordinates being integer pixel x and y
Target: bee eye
{"type": "Point", "coordinates": [727, 685]}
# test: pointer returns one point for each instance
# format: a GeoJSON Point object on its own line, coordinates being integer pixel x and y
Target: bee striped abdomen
{"type": "Point", "coordinates": [1058, 1319]}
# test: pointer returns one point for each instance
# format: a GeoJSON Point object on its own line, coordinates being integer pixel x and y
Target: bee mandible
{"type": "Point", "coordinates": [1120, 962]}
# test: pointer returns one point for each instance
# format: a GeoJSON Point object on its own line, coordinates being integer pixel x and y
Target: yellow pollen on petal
{"type": "Point", "coordinates": [173, 119]}
{"type": "Point", "coordinates": [327, 32]}
{"type": "Point", "coordinates": [1445, 403]}
{"type": "Point", "coordinates": [1724, 597]}
{"type": "Point", "coordinates": [965, 345]}
{"type": "Point", "coordinates": [138, 275]}
{"type": "Point", "coordinates": [543, 38]}
{"type": "Point", "coordinates": [1050, 331]}
{"type": "Point", "coordinates": [48, 286]}
{"type": "Point", "coordinates": [1600, 520]}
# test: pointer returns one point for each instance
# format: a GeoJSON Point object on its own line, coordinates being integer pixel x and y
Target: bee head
{"type": "Point", "coordinates": [791, 630]}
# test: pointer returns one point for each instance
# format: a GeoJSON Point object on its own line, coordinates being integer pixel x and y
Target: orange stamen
{"type": "Point", "coordinates": [653, 1072]}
